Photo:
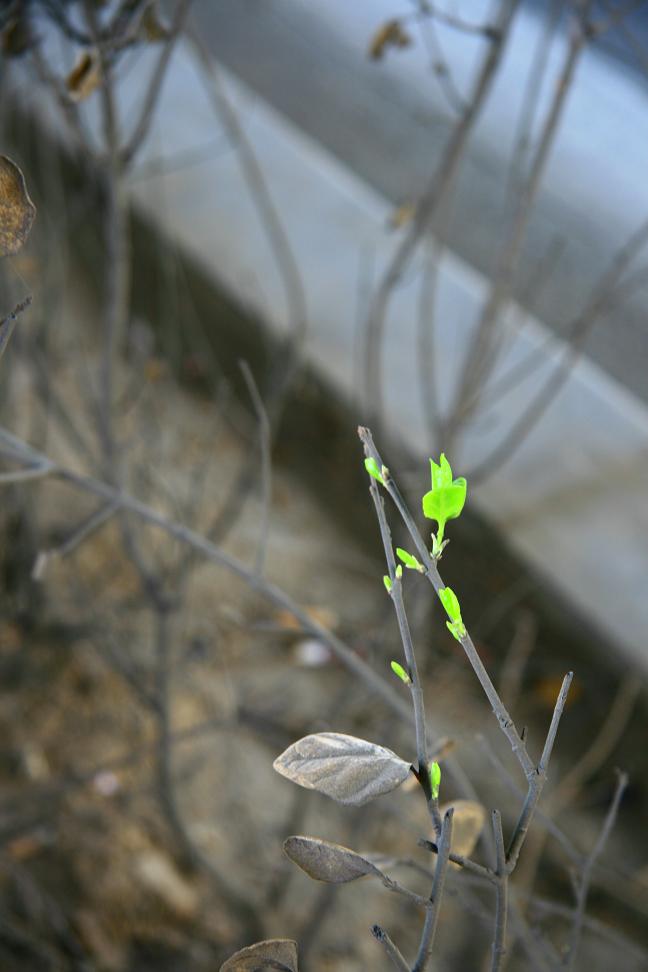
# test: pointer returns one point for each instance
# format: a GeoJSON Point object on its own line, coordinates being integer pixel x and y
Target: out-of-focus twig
{"type": "Point", "coordinates": [8, 323]}
{"type": "Point", "coordinates": [584, 878]}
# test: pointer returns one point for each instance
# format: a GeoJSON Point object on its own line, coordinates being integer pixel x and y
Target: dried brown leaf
{"type": "Point", "coordinates": [277, 954]}
{"type": "Point", "coordinates": [389, 34]}
{"type": "Point", "coordinates": [324, 861]}
{"type": "Point", "coordinates": [347, 769]}
{"type": "Point", "coordinates": [17, 211]}
{"type": "Point", "coordinates": [85, 76]}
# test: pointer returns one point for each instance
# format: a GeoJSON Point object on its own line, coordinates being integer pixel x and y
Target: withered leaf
{"type": "Point", "coordinates": [85, 76]}
{"type": "Point", "coordinates": [347, 769]}
{"type": "Point", "coordinates": [324, 861]}
{"type": "Point", "coordinates": [277, 954]}
{"type": "Point", "coordinates": [389, 34]}
{"type": "Point", "coordinates": [467, 824]}
{"type": "Point", "coordinates": [17, 211]}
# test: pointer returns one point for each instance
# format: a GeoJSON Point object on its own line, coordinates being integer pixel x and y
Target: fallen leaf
{"type": "Point", "coordinates": [324, 861]}
{"type": "Point", "coordinates": [349, 770]}
{"type": "Point", "coordinates": [17, 211]}
{"type": "Point", "coordinates": [277, 954]}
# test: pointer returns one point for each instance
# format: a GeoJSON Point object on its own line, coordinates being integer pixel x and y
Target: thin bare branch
{"type": "Point", "coordinates": [585, 876]}
{"type": "Point", "coordinates": [265, 442]}
{"type": "Point", "coordinates": [426, 211]}
{"type": "Point", "coordinates": [147, 113]}
{"type": "Point", "coordinates": [501, 895]}
{"type": "Point", "coordinates": [391, 950]}
{"type": "Point", "coordinates": [432, 916]}
{"type": "Point", "coordinates": [8, 323]}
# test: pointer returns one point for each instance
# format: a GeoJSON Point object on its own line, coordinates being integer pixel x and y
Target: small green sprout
{"type": "Point", "coordinates": [400, 671]}
{"type": "Point", "coordinates": [399, 572]}
{"type": "Point", "coordinates": [372, 468]}
{"type": "Point", "coordinates": [435, 779]}
{"type": "Point", "coordinates": [388, 584]}
{"type": "Point", "coordinates": [410, 562]}
{"type": "Point", "coordinates": [455, 625]}
{"type": "Point", "coordinates": [444, 501]}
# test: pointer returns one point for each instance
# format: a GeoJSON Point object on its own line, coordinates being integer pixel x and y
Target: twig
{"type": "Point", "coordinates": [261, 196]}
{"type": "Point", "coordinates": [522, 645]}
{"type": "Point", "coordinates": [501, 895]}
{"type": "Point", "coordinates": [8, 323]}
{"type": "Point", "coordinates": [426, 210]}
{"type": "Point", "coordinates": [538, 780]}
{"type": "Point", "coordinates": [426, 341]}
{"type": "Point", "coordinates": [219, 557]}
{"type": "Point", "coordinates": [483, 352]}
{"type": "Point", "coordinates": [432, 916]}
{"type": "Point", "coordinates": [465, 862]}
{"type": "Point", "coordinates": [415, 686]}
{"type": "Point", "coordinates": [392, 951]}
{"type": "Point", "coordinates": [24, 475]}
{"type": "Point", "coordinates": [585, 876]}
{"type": "Point", "coordinates": [265, 436]}
{"type": "Point", "coordinates": [147, 113]}
{"type": "Point", "coordinates": [85, 529]}
{"type": "Point", "coordinates": [431, 572]}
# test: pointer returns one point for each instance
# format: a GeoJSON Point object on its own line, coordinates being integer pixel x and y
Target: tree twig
{"type": "Point", "coordinates": [432, 916]}
{"type": "Point", "coordinates": [8, 323]}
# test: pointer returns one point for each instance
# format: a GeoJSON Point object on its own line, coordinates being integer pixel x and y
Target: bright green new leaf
{"type": "Point", "coordinates": [456, 629]}
{"type": "Point", "coordinates": [451, 604]}
{"type": "Point", "coordinates": [441, 475]}
{"type": "Point", "coordinates": [435, 779]}
{"type": "Point", "coordinates": [388, 584]}
{"type": "Point", "coordinates": [400, 671]}
{"type": "Point", "coordinates": [446, 499]}
{"type": "Point", "coordinates": [409, 561]}
{"type": "Point", "coordinates": [455, 625]}
{"type": "Point", "coordinates": [372, 468]}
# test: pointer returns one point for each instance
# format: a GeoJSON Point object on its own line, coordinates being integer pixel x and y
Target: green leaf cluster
{"type": "Point", "coordinates": [445, 500]}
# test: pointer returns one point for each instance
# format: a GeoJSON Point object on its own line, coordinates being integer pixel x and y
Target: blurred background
{"type": "Point", "coordinates": [258, 226]}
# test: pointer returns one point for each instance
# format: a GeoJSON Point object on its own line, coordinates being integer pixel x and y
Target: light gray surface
{"type": "Point", "coordinates": [388, 122]}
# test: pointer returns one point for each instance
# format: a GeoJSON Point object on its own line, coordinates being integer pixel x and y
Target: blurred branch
{"type": "Point", "coordinates": [585, 875]}
{"type": "Point", "coordinates": [8, 323]}
{"type": "Point", "coordinates": [426, 211]}
{"type": "Point", "coordinates": [484, 348]}
{"type": "Point", "coordinates": [265, 433]}
{"type": "Point", "coordinates": [147, 113]}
